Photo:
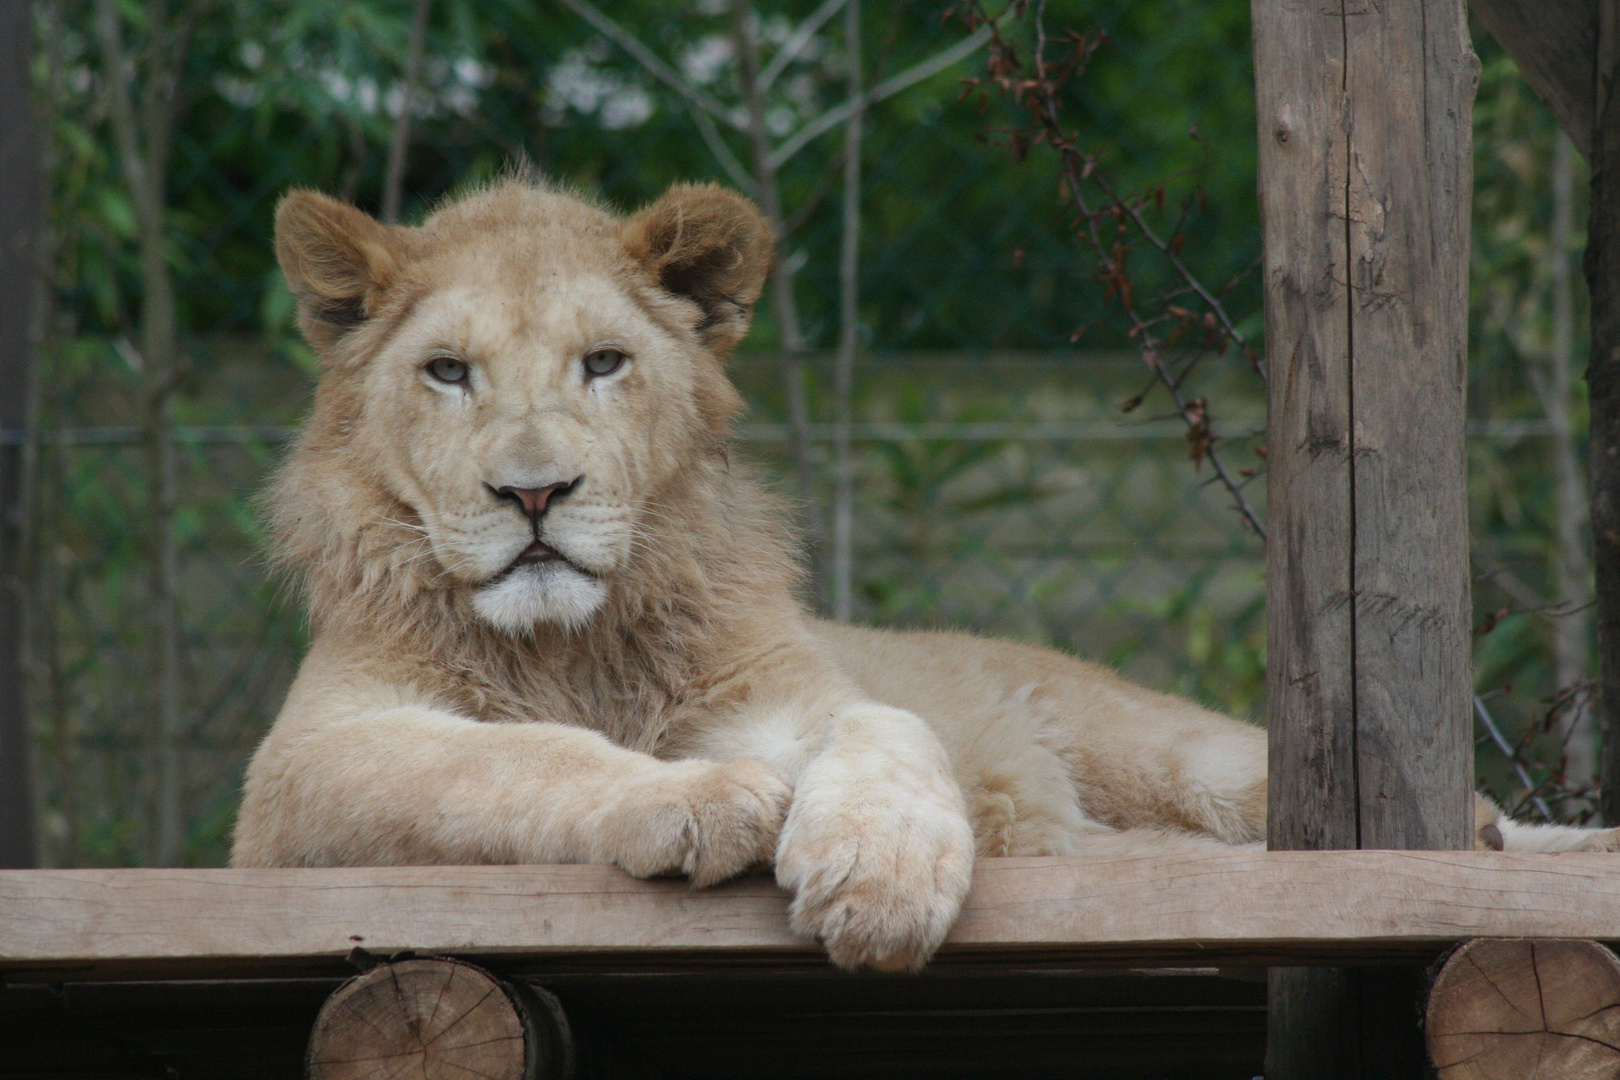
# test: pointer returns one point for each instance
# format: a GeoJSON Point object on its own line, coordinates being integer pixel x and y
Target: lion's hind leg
{"type": "Point", "coordinates": [1023, 802]}
{"type": "Point", "coordinates": [1002, 825]}
{"type": "Point", "coordinates": [1203, 791]}
{"type": "Point", "coordinates": [1146, 761]}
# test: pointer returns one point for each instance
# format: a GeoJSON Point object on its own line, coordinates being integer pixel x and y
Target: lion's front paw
{"type": "Point", "coordinates": [877, 877]}
{"type": "Point", "coordinates": [707, 820]}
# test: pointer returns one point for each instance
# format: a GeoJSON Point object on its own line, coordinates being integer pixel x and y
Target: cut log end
{"type": "Point", "coordinates": [1526, 1008]}
{"type": "Point", "coordinates": [433, 1018]}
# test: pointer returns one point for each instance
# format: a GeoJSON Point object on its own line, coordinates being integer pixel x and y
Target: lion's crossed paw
{"type": "Point", "coordinates": [709, 820]}
{"type": "Point", "coordinates": [880, 890]}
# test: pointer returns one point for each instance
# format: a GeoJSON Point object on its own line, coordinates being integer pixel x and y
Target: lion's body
{"type": "Point", "coordinates": [556, 621]}
{"type": "Point", "coordinates": [1052, 751]}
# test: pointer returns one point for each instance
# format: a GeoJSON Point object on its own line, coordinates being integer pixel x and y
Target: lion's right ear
{"type": "Point", "coordinates": [711, 246]}
{"type": "Point", "coordinates": [338, 261]}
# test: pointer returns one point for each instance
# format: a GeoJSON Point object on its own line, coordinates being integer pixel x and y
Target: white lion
{"type": "Point", "coordinates": [556, 621]}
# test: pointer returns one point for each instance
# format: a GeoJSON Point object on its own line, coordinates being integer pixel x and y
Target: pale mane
{"type": "Point", "coordinates": [708, 550]}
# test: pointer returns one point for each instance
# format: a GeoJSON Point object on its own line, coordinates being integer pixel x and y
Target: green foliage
{"type": "Point", "coordinates": [1511, 482]}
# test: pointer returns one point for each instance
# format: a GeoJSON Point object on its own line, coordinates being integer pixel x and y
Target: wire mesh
{"type": "Point", "coordinates": [999, 487]}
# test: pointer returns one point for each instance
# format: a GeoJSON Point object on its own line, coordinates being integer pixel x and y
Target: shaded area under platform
{"type": "Point", "coordinates": [1124, 1025]}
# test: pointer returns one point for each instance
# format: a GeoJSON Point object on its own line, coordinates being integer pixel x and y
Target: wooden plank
{"type": "Point", "coordinates": [1239, 907]}
{"type": "Point", "coordinates": [1553, 42]}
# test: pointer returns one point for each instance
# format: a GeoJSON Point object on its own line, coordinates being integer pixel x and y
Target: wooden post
{"type": "Point", "coordinates": [19, 279]}
{"type": "Point", "coordinates": [1365, 183]}
{"type": "Point", "coordinates": [1552, 43]}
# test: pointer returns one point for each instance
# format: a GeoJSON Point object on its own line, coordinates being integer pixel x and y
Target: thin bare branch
{"type": "Point", "coordinates": [1148, 341]}
{"type": "Point", "coordinates": [1040, 95]}
{"type": "Point", "coordinates": [400, 142]}
{"type": "Point", "coordinates": [783, 303]}
{"type": "Point", "coordinates": [649, 60]}
{"type": "Point", "coordinates": [1572, 531]}
{"type": "Point", "coordinates": [703, 108]}
{"type": "Point", "coordinates": [734, 169]}
{"type": "Point", "coordinates": [1135, 211]}
{"type": "Point", "coordinates": [886, 89]}
{"type": "Point", "coordinates": [1512, 754]}
{"type": "Point", "coordinates": [796, 42]}
{"type": "Point", "coordinates": [843, 570]}
{"type": "Point", "coordinates": [142, 135]}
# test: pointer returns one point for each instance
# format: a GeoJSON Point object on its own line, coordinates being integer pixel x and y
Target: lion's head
{"type": "Point", "coordinates": [513, 395]}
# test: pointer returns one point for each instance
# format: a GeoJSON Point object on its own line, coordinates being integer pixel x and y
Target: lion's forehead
{"type": "Point", "coordinates": [488, 315]}
{"type": "Point", "coordinates": [521, 250]}
{"type": "Point", "coordinates": [505, 208]}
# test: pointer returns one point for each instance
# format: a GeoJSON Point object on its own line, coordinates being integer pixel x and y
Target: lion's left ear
{"type": "Point", "coordinates": [708, 245]}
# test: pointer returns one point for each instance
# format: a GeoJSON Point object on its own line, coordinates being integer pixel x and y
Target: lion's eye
{"type": "Point", "coordinates": [603, 362]}
{"type": "Point", "coordinates": [447, 369]}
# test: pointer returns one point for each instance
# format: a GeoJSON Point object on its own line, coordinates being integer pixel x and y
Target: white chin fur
{"type": "Point", "coordinates": [551, 592]}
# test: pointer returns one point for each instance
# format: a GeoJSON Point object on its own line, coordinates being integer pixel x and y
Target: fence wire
{"type": "Point", "coordinates": [997, 485]}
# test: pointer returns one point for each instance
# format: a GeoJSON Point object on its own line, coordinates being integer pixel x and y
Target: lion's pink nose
{"type": "Point", "coordinates": [533, 500]}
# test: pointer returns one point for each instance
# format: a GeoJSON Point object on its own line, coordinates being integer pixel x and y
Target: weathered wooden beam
{"type": "Point", "coordinates": [1366, 174]}
{"type": "Point", "coordinates": [1526, 1007]}
{"type": "Point", "coordinates": [1241, 908]}
{"type": "Point", "coordinates": [1554, 44]}
{"type": "Point", "coordinates": [1365, 186]}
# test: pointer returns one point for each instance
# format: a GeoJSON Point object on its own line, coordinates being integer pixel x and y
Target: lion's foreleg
{"type": "Point", "coordinates": [420, 785]}
{"type": "Point", "coordinates": [877, 848]}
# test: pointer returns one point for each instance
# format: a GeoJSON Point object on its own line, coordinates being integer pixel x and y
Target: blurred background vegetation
{"type": "Point", "coordinates": [992, 479]}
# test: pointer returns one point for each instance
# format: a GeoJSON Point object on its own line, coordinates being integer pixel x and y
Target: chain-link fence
{"type": "Point", "coordinates": [993, 483]}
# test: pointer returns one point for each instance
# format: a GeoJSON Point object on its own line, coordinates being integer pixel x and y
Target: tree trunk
{"type": "Point", "coordinates": [843, 557]}
{"type": "Point", "coordinates": [1571, 567]}
{"type": "Point", "coordinates": [141, 133]}
{"type": "Point", "coordinates": [19, 284]}
{"type": "Point", "coordinates": [1603, 385]}
{"type": "Point", "coordinates": [400, 143]}
{"type": "Point", "coordinates": [783, 304]}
